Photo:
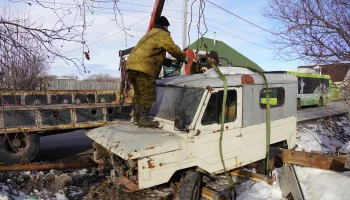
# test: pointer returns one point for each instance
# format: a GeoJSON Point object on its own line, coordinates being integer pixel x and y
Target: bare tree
{"type": "Point", "coordinates": [70, 26]}
{"type": "Point", "coordinates": [20, 37]}
{"type": "Point", "coordinates": [20, 70]}
{"type": "Point", "coordinates": [317, 31]}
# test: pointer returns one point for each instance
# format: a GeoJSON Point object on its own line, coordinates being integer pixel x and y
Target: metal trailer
{"type": "Point", "coordinates": [188, 108]}
{"type": "Point", "coordinates": [27, 115]}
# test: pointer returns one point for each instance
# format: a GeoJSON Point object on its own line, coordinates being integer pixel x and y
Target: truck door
{"type": "Point", "coordinates": [209, 126]}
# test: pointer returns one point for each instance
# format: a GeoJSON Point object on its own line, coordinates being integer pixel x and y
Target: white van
{"type": "Point", "coordinates": [188, 108]}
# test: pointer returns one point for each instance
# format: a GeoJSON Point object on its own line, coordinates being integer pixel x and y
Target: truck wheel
{"type": "Point", "coordinates": [320, 102]}
{"type": "Point", "coordinates": [15, 148]}
{"type": "Point", "coordinates": [191, 188]}
{"type": "Point", "coordinates": [298, 104]}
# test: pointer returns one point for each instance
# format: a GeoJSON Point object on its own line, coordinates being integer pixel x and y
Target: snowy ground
{"type": "Point", "coordinates": [321, 136]}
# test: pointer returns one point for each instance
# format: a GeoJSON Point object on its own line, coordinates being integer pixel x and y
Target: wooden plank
{"type": "Point", "coordinates": [211, 194]}
{"type": "Point", "coordinates": [252, 176]}
{"type": "Point", "coordinates": [314, 160]}
{"type": "Point", "coordinates": [347, 163]}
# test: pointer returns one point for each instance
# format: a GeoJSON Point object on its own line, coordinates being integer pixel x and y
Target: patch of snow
{"type": "Point", "coordinates": [211, 73]}
{"type": "Point", "coordinates": [27, 172]}
{"type": "Point", "coordinates": [309, 140]}
{"type": "Point", "coordinates": [323, 184]}
{"type": "Point", "coordinates": [346, 148]}
{"type": "Point", "coordinates": [323, 136]}
{"type": "Point", "coordinates": [258, 190]}
{"type": "Point", "coordinates": [83, 171]}
{"type": "Point", "coordinates": [3, 197]}
{"type": "Point", "coordinates": [60, 195]}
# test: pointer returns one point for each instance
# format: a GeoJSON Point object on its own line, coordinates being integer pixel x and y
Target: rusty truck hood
{"type": "Point", "coordinates": [128, 141]}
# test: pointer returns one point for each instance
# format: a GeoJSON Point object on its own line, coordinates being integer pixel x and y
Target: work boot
{"type": "Point", "coordinates": [136, 113]}
{"type": "Point", "coordinates": [144, 121]}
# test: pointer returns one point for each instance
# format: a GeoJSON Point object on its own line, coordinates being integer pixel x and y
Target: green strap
{"type": "Point", "coordinates": [228, 176]}
{"type": "Point", "coordinates": [268, 120]}
{"type": "Point", "coordinates": [268, 125]}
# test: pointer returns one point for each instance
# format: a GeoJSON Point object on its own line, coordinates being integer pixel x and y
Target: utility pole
{"type": "Point", "coordinates": [184, 34]}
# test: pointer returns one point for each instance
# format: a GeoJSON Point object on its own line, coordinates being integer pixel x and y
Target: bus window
{"type": "Point", "coordinates": [276, 97]}
{"type": "Point", "coordinates": [212, 113]}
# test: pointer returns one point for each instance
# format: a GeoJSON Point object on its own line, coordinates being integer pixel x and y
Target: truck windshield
{"type": "Point", "coordinates": [168, 98]}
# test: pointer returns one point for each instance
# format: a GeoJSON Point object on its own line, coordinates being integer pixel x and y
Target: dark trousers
{"type": "Point", "coordinates": [144, 88]}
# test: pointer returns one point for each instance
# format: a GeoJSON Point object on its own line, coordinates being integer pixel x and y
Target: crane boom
{"type": "Point", "coordinates": [157, 11]}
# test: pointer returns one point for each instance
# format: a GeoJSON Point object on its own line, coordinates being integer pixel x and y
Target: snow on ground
{"type": "Point", "coordinates": [321, 184]}
{"type": "Point", "coordinates": [317, 184]}
{"type": "Point", "coordinates": [86, 184]}
{"type": "Point", "coordinates": [323, 135]}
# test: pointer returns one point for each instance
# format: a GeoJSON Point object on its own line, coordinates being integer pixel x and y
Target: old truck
{"type": "Point", "coordinates": [188, 108]}
{"type": "Point", "coordinates": [27, 115]}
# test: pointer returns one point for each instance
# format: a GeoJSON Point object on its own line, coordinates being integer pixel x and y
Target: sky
{"type": "Point", "coordinates": [105, 38]}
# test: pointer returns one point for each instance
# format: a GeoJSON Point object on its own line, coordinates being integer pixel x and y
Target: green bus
{"type": "Point", "coordinates": [313, 89]}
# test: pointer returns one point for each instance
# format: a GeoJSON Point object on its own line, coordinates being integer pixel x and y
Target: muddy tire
{"type": "Point", "coordinates": [191, 188]}
{"type": "Point", "coordinates": [298, 104]}
{"type": "Point", "coordinates": [320, 102]}
{"type": "Point", "coordinates": [18, 148]}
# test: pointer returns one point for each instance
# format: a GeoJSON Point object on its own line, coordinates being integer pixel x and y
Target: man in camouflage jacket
{"type": "Point", "coordinates": [143, 66]}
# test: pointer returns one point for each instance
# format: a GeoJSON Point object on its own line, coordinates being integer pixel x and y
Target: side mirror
{"type": "Point", "coordinates": [179, 119]}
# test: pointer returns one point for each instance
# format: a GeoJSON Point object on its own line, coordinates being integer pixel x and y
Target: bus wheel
{"type": "Point", "coordinates": [320, 102]}
{"type": "Point", "coordinates": [298, 104]}
{"type": "Point", "coordinates": [18, 147]}
{"type": "Point", "coordinates": [191, 187]}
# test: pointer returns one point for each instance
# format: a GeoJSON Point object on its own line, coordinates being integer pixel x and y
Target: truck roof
{"type": "Point", "coordinates": [203, 80]}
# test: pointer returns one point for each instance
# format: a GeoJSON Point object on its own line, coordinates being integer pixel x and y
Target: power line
{"type": "Point", "coordinates": [142, 11]}
{"type": "Point", "coordinates": [224, 33]}
{"type": "Point", "coordinates": [113, 33]}
{"type": "Point", "coordinates": [240, 17]}
{"type": "Point", "coordinates": [227, 33]}
{"type": "Point", "coordinates": [108, 36]}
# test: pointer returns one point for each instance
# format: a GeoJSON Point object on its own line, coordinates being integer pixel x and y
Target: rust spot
{"type": "Point", "coordinates": [247, 79]}
{"type": "Point", "coordinates": [198, 132]}
{"type": "Point", "coordinates": [160, 164]}
{"type": "Point", "coordinates": [217, 131]}
{"type": "Point", "coordinates": [188, 130]}
{"type": "Point", "coordinates": [150, 165]}
{"type": "Point", "coordinates": [149, 148]}
{"type": "Point", "coordinates": [226, 127]}
{"type": "Point", "coordinates": [143, 167]}
{"type": "Point", "coordinates": [130, 156]}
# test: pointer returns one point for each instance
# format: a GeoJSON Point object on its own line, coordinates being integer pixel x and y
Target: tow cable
{"type": "Point", "coordinates": [268, 126]}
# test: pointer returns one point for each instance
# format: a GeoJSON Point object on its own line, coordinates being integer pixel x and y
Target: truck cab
{"type": "Point", "coordinates": [188, 108]}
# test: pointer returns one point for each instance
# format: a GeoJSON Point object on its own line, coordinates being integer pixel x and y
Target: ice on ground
{"type": "Point", "coordinates": [83, 171]}
{"type": "Point", "coordinates": [323, 135]}
{"type": "Point", "coordinates": [318, 184]}
{"type": "Point", "coordinates": [258, 190]}
{"type": "Point", "coordinates": [3, 197]}
{"type": "Point", "coordinates": [346, 148]}
{"type": "Point", "coordinates": [60, 195]}
{"type": "Point", "coordinates": [211, 73]}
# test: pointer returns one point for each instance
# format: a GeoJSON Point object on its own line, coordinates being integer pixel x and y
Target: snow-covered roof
{"type": "Point", "coordinates": [233, 76]}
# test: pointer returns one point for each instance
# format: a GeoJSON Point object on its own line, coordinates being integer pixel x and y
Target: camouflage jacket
{"type": "Point", "coordinates": [149, 53]}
